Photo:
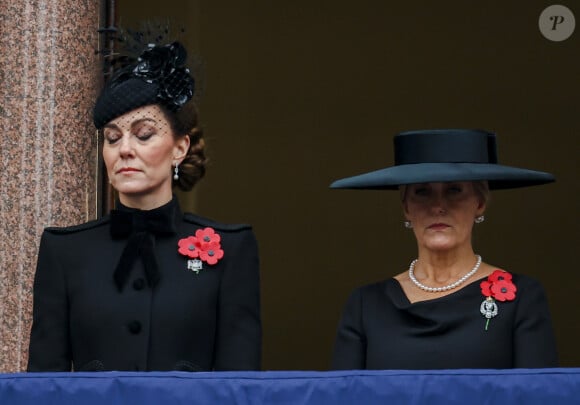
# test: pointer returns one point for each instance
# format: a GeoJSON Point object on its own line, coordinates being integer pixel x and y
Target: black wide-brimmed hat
{"type": "Point", "coordinates": [444, 155]}
{"type": "Point", "coordinates": [159, 76]}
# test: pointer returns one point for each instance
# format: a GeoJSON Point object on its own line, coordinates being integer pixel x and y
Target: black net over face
{"type": "Point", "coordinates": [140, 148]}
{"type": "Point", "coordinates": [158, 77]}
{"type": "Point", "coordinates": [143, 123]}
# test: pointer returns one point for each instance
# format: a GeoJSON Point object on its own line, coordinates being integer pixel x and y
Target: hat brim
{"type": "Point", "coordinates": [498, 176]}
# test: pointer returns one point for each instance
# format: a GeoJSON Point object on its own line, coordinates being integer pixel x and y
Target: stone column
{"type": "Point", "coordinates": [49, 75]}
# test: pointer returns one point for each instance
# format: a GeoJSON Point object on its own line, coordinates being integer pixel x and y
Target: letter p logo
{"type": "Point", "coordinates": [556, 19]}
{"type": "Point", "coordinates": [557, 23]}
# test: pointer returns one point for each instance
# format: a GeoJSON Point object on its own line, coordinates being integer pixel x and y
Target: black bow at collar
{"type": "Point", "coordinates": [141, 227]}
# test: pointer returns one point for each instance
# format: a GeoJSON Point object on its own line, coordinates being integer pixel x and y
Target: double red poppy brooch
{"type": "Point", "coordinates": [205, 246]}
{"type": "Point", "coordinates": [498, 286]}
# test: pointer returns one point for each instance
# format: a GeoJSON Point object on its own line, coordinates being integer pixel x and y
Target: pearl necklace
{"type": "Point", "coordinates": [446, 287]}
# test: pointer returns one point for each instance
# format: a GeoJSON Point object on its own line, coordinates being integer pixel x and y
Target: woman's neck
{"type": "Point", "coordinates": [441, 266]}
{"type": "Point", "coordinates": [144, 202]}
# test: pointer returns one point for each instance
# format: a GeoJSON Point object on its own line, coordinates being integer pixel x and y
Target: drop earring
{"type": "Point", "coordinates": [408, 224]}
{"type": "Point", "coordinates": [479, 219]}
{"type": "Point", "coordinates": [176, 172]}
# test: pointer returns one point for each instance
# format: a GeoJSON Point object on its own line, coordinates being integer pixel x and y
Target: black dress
{"type": "Point", "coordinates": [381, 329]}
{"type": "Point", "coordinates": [115, 294]}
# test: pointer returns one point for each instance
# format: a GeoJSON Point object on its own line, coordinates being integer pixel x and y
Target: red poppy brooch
{"type": "Point", "coordinates": [205, 246]}
{"type": "Point", "coordinates": [498, 286]}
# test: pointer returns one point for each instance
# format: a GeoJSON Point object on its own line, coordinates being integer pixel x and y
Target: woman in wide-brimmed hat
{"type": "Point", "coordinates": [450, 309]}
{"type": "Point", "coordinates": [148, 287]}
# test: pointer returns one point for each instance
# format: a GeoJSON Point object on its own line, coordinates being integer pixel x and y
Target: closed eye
{"type": "Point", "coordinates": [111, 136]}
{"type": "Point", "coordinates": [145, 136]}
{"type": "Point", "coordinates": [143, 131]}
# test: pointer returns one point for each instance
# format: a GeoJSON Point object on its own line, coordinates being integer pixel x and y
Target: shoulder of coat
{"type": "Point", "coordinates": [205, 222]}
{"type": "Point", "coordinates": [78, 228]}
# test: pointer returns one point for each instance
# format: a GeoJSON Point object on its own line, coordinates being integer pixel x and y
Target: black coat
{"type": "Point", "coordinates": [82, 320]}
{"type": "Point", "coordinates": [381, 329]}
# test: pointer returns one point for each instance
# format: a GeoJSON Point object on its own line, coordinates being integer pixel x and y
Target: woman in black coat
{"type": "Point", "coordinates": [449, 309]}
{"type": "Point", "coordinates": [148, 287]}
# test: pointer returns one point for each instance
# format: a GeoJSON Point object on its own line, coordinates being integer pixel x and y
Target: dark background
{"type": "Point", "coordinates": [297, 94]}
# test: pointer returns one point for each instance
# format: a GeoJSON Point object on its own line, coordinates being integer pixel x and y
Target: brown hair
{"type": "Point", "coordinates": [482, 189]}
{"type": "Point", "coordinates": [185, 123]}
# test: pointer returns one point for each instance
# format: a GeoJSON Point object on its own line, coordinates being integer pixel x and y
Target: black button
{"type": "Point", "coordinates": [134, 327]}
{"type": "Point", "coordinates": [139, 284]}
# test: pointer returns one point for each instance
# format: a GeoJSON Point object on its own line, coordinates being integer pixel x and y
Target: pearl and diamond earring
{"type": "Point", "coordinates": [176, 172]}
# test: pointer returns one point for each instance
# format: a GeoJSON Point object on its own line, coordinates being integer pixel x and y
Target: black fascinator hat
{"type": "Point", "coordinates": [159, 76]}
{"type": "Point", "coordinates": [444, 155]}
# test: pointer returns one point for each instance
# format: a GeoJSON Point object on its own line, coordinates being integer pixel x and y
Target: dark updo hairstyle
{"type": "Point", "coordinates": [184, 122]}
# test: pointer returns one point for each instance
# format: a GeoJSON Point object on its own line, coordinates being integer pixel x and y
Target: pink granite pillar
{"type": "Point", "coordinates": [48, 80]}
